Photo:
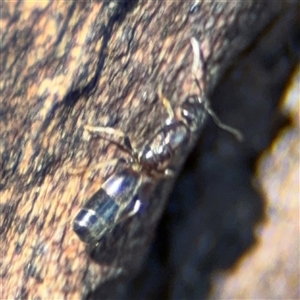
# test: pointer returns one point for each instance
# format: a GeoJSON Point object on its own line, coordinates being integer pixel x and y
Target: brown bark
{"type": "Point", "coordinates": [67, 64]}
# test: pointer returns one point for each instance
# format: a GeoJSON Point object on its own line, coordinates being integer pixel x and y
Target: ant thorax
{"type": "Point", "coordinates": [160, 150]}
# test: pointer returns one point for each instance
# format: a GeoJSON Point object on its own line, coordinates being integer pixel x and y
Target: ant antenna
{"type": "Point", "coordinates": [198, 56]}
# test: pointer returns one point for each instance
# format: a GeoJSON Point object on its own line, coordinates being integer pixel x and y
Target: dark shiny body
{"type": "Point", "coordinates": [113, 203]}
{"type": "Point", "coordinates": [116, 200]}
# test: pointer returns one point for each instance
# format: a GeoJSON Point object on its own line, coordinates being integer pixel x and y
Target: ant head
{"type": "Point", "coordinates": [193, 113]}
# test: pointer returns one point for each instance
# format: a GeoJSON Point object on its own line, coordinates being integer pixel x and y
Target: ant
{"type": "Point", "coordinates": [117, 200]}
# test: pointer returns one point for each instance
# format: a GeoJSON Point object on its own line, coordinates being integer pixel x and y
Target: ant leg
{"type": "Point", "coordinates": [115, 136]}
{"type": "Point", "coordinates": [135, 209]}
{"type": "Point", "coordinates": [198, 57]}
{"type": "Point", "coordinates": [169, 173]}
{"type": "Point", "coordinates": [110, 163]}
{"type": "Point", "coordinates": [166, 103]}
{"type": "Point", "coordinates": [101, 165]}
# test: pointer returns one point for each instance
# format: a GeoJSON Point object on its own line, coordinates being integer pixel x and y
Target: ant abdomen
{"type": "Point", "coordinates": [113, 203]}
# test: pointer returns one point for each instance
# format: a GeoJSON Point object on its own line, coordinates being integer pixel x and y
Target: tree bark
{"type": "Point", "coordinates": [68, 64]}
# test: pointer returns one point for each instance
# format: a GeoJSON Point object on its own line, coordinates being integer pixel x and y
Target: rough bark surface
{"type": "Point", "coordinates": [67, 64]}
